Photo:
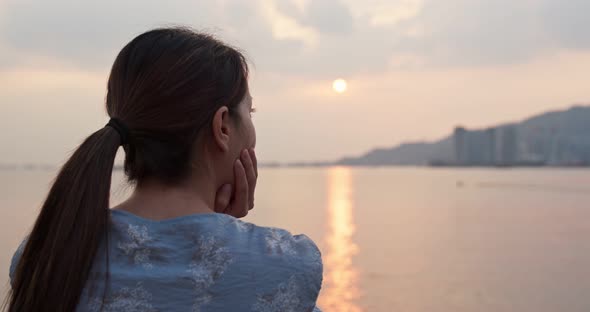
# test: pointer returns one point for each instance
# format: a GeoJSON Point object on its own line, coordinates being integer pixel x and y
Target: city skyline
{"type": "Point", "coordinates": [553, 138]}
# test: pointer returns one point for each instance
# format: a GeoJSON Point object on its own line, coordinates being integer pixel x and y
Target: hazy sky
{"type": "Point", "coordinates": [415, 68]}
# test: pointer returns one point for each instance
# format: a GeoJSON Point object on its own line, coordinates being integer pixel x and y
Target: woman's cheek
{"type": "Point", "coordinates": [253, 137]}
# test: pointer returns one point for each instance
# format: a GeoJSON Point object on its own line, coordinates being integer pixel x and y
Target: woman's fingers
{"type": "Point", "coordinates": [236, 200]}
{"type": "Point", "coordinates": [254, 160]}
{"type": "Point", "coordinates": [239, 206]}
{"type": "Point", "coordinates": [250, 175]}
{"type": "Point", "coordinates": [223, 198]}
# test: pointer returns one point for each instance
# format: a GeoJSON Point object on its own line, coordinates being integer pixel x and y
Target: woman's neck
{"type": "Point", "coordinates": [156, 201]}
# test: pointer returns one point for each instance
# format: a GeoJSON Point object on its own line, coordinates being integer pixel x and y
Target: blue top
{"type": "Point", "coordinates": [202, 262]}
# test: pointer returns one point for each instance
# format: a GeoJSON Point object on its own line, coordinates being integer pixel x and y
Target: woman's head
{"type": "Point", "coordinates": [184, 98]}
{"type": "Point", "coordinates": [180, 93]}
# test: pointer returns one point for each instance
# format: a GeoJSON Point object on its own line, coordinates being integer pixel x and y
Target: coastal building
{"type": "Point", "coordinates": [489, 147]}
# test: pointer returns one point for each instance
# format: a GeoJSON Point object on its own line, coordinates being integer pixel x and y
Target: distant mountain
{"type": "Point", "coordinates": [407, 154]}
{"type": "Point", "coordinates": [557, 138]}
{"type": "Point", "coordinates": [552, 138]}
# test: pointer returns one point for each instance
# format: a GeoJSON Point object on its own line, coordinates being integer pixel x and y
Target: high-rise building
{"type": "Point", "coordinates": [459, 138]}
{"type": "Point", "coordinates": [508, 146]}
{"type": "Point", "coordinates": [489, 147]}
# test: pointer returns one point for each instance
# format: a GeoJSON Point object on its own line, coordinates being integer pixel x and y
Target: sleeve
{"type": "Point", "coordinates": [15, 258]}
{"type": "Point", "coordinates": [311, 261]}
{"type": "Point", "coordinates": [295, 273]}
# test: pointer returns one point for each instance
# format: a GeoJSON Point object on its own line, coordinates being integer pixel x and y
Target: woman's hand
{"type": "Point", "coordinates": [236, 200]}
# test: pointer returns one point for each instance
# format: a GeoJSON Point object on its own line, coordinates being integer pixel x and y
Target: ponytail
{"type": "Point", "coordinates": [59, 253]}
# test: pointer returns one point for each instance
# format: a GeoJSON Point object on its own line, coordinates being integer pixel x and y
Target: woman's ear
{"type": "Point", "coordinates": [221, 128]}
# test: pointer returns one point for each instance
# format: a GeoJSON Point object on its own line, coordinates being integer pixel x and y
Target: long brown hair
{"type": "Point", "coordinates": [165, 85]}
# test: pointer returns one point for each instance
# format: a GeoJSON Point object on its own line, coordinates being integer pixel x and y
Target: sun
{"type": "Point", "coordinates": [339, 85]}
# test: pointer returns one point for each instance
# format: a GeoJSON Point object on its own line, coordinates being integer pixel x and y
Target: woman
{"type": "Point", "coordinates": [180, 106]}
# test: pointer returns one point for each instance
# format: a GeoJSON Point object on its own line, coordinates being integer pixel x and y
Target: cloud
{"type": "Point", "coordinates": [476, 33]}
{"type": "Point", "coordinates": [307, 38]}
{"type": "Point", "coordinates": [285, 27]}
{"type": "Point", "coordinates": [329, 16]}
{"type": "Point", "coordinates": [303, 38]}
{"type": "Point", "coordinates": [89, 33]}
{"type": "Point", "coordinates": [387, 14]}
{"type": "Point", "coordinates": [568, 21]}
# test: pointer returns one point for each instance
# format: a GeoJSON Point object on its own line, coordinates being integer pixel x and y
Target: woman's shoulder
{"type": "Point", "coordinates": [278, 251]}
{"type": "Point", "coordinates": [277, 244]}
{"type": "Point", "coordinates": [276, 241]}
{"type": "Point", "coordinates": [226, 233]}
{"type": "Point", "coordinates": [15, 259]}
{"type": "Point", "coordinates": [289, 265]}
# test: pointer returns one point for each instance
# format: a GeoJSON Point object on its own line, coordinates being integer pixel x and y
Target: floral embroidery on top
{"type": "Point", "coordinates": [135, 299]}
{"type": "Point", "coordinates": [136, 246]}
{"type": "Point", "coordinates": [284, 299]}
{"type": "Point", "coordinates": [210, 260]}
{"type": "Point", "coordinates": [280, 242]}
{"type": "Point", "coordinates": [315, 258]}
{"type": "Point", "coordinates": [243, 226]}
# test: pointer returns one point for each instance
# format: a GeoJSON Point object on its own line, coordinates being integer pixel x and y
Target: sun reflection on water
{"type": "Point", "coordinates": [340, 276]}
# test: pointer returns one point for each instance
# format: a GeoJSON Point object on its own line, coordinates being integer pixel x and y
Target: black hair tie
{"type": "Point", "coordinates": [123, 131]}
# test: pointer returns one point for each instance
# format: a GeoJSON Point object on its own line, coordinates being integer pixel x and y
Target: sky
{"type": "Point", "coordinates": [414, 68]}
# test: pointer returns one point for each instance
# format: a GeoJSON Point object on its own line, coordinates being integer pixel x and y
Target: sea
{"type": "Point", "coordinates": [408, 239]}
